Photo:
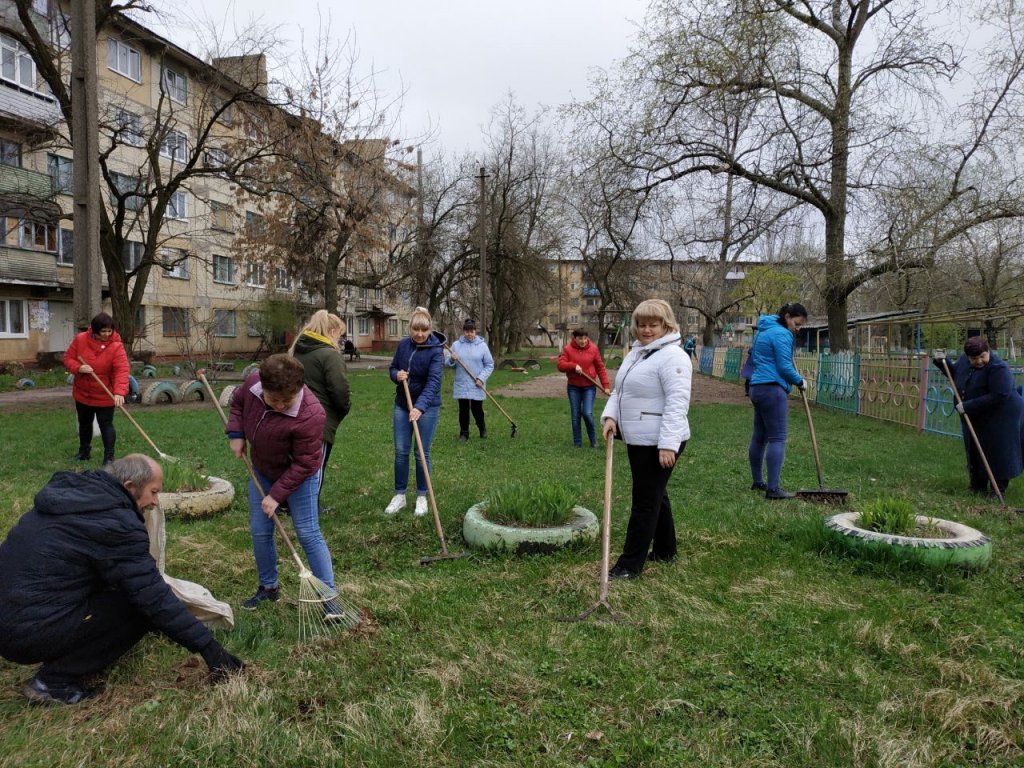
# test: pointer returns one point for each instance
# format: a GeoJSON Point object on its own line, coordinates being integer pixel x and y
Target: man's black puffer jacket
{"type": "Point", "coordinates": [85, 535]}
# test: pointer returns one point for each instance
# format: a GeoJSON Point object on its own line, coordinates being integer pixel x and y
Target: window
{"type": "Point", "coordinates": [10, 153]}
{"type": "Point", "coordinates": [282, 280]}
{"type": "Point", "coordinates": [254, 324]}
{"type": "Point", "coordinates": [217, 158]}
{"type": "Point", "coordinates": [60, 30]}
{"type": "Point", "coordinates": [40, 6]}
{"type": "Point", "coordinates": [176, 85]}
{"type": "Point", "coordinates": [222, 217]}
{"type": "Point", "coordinates": [66, 248]}
{"type": "Point", "coordinates": [392, 232]}
{"type": "Point", "coordinates": [12, 319]}
{"type": "Point", "coordinates": [131, 255]}
{"type": "Point", "coordinates": [256, 276]}
{"type": "Point", "coordinates": [36, 236]}
{"type": "Point", "coordinates": [15, 63]}
{"type": "Point", "coordinates": [223, 270]}
{"type": "Point", "coordinates": [177, 206]}
{"type": "Point", "coordinates": [124, 60]}
{"type": "Point", "coordinates": [223, 108]}
{"type": "Point", "coordinates": [254, 223]}
{"type": "Point", "coordinates": [62, 177]}
{"type": "Point", "coordinates": [224, 322]}
{"type": "Point", "coordinates": [175, 146]}
{"type": "Point", "coordinates": [392, 327]}
{"type": "Point", "coordinates": [127, 187]}
{"type": "Point", "coordinates": [129, 128]}
{"type": "Point", "coordinates": [140, 322]}
{"type": "Point", "coordinates": [364, 326]}
{"type": "Point", "coordinates": [175, 321]}
{"type": "Point", "coordinates": [175, 263]}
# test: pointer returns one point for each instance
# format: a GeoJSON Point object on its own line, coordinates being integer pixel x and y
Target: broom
{"type": "Point", "coordinates": [317, 600]}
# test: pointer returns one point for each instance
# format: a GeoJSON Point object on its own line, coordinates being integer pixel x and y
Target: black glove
{"type": "Point", "coordinates": [220, 662]}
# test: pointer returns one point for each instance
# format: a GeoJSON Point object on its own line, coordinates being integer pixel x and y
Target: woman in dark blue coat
{"type": "Point", "coordinates": [995, 409]}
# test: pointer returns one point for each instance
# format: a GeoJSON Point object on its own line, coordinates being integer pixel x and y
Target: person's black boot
{"type": "Point", "coordinates": [84, 454]}
{"type": "Point", "coordinates": [483, 434]}
{"type": "Point", "coordinates": [778, 493]}
{"type": "Point", "coordinates": [463, 436]}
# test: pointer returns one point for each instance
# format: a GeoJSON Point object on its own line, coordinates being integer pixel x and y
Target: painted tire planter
{"type": "Point", "coordinates": [191, 392]}
{"type": "Point", "coordinates": [250, 369]}
{"type": "Point", "coordinates": [159, 392]}
{"type": "Point", "coordinates": [226, 394]}
{"type": "Point", "coordinates": [482, 533]}
{"type": "Point", "coordinates": [196, 505]}
{"type": "Point", "coordinates": [963, 546]}
{"type": "Point", "coordinates": [148, 371]}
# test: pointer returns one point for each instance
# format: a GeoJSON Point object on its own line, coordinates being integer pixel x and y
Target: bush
{"type": "Point", "coordinates": [540, 505]}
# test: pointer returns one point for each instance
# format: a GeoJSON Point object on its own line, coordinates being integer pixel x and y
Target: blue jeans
{"type": "Point", "coordinates": [404, 443]}
{"type": "Point", "coordinates": [306, 518]}
{"type": "Point", "coordinates": [771, 411]}
{"type": "Point", "coordinates": [581, 403]}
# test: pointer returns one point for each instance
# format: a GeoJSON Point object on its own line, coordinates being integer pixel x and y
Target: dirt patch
{"type": "Point", "coordinates": [704, 389]}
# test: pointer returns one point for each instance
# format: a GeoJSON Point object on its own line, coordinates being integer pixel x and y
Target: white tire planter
{"type": "Point", "coordinates": [196, 505]}
{"type": "Point", "coordinates": [481, 533]}
{"type": "Point", "coordinates": [962, 546]}
{"type": "Point", "coordinates": [159, 393]}
{"type": "Point", "coordinates": [226, 394]}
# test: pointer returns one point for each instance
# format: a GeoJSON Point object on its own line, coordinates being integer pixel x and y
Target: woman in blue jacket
{"type": "Point", "coordinates": [419, 360]}
{"type": "Point", "coordinates": [469, 389]}
{"type": "Point", "coordinates": [773, 377]}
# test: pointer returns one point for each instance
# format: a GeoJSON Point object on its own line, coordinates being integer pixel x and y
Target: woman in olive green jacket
{"type": "Point", "coordinates": [316, 347]}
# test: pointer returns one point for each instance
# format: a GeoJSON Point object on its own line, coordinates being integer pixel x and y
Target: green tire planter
{"type": "Point", "coordinates": [159, 392]}
{"type": "Point", "coordinates": [962, 547]}
{"type": "Point", "coordinates": [481, 533]}
{"type": "Point", "coordinates": [191, 392]}
{"type": "Point", "coordinates": [198, 505]}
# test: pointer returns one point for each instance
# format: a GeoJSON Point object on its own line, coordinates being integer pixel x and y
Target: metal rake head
{"type": "Point", "coordinates": [322, 611]}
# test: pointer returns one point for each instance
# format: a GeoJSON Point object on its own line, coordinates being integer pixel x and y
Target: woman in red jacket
{"type": "Point", "coordinates": [579, 359]}
{"type": "Point", "coordinates": [101, 348]}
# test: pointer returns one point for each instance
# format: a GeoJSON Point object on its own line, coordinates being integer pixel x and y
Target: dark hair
{"type": "Point", "coordinates": [975, 346]}
{"type": "Point", "coordinates": [795, 309]}
{"type": "Point", "coordinates": [101, 321]}
{"type": "Point", "coordinates": [578, 333]}
{"type": "Point", "coordinates": [469, 325]}
{"type": "Point", "coordinates": [282, 374]}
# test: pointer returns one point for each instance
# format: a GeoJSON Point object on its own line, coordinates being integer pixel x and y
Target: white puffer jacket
{"type": "Point", "coordinates": [652, 394]}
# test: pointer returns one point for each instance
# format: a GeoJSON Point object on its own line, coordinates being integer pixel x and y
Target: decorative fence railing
{"type": "Point", "coordinates": [906, 389]}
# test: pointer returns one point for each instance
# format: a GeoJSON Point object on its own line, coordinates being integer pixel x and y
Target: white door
{"type": "Point", "coordinates": [62, 326]}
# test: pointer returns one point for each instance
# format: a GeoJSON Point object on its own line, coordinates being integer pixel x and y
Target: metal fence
{"type": "Point", "coordinates": [905, 389]}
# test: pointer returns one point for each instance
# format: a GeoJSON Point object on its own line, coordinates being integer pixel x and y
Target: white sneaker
{"type": "Point", "coordinates": [397, 502]}
{"type": "Point", "coordinates": [421, 506]}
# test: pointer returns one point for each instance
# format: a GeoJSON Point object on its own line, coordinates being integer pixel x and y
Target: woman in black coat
{"type": "Point", "coordinates": [995, 409]}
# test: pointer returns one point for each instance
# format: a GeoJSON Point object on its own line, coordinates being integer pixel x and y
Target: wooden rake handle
{"type": "Point", "coordinates": [595, 382]}
{"type": "Point", "coordinates": [252, 473]}
{"type": "Point", "coordinates": [606, 519]}
{"type": "Point", "coordinates": [123, 409]}
{"type": "Point", "coordinates": [474, 377]}
{"type": "Point", "coordinates": [814, 439]}
{"type": "Point", "coordinates": [426, 471]}
{"type": "Point", "coordinates": [974, 435]}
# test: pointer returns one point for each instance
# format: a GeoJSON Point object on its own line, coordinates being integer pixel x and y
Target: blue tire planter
{"type": "Point", "coordinates": [481, 533]}
{"type": "Point", "coordinates": [191, 392]}
{"type": "Point", "coordinates": [961, 545]}
{"type": "Point", "coordinates": [160, 392]}
{"type": "Point", "coordinates": [24, 384]}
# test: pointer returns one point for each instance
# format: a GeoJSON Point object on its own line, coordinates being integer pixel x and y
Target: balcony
{"type": "Point", "coordinates": [27, 267]}
{"type": "Point", "coordinates": [21, 182]}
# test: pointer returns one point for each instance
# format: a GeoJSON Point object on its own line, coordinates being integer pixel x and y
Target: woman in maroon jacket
{"type": "Point", "coordinates": [101, 348]}
{"type": "Point", "coordinates": [284, 423]}
{"type": "Point", "coordinates": [580, 357]}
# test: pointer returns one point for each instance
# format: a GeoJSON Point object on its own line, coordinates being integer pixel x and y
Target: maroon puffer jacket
{"type": "Point", "coordinates": [286, 446]}
{"type": "Point", "coordinates": [108, 360]}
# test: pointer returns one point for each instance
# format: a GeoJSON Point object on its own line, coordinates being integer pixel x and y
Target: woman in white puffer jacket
{"type": "Point", "coordinates": [648, 409]}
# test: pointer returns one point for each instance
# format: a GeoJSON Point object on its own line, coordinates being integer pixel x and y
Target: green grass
{"type": "Point", "coordinates": [760, 646]}
{"type": "Point", "coordinates": [889, 515]}
{"type": "Point", "coordinates": [536, 505]}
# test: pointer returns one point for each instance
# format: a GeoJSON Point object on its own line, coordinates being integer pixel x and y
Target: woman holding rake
{"type": "Point", "coordinates": [468, 391]}
{"type": "Point", "coordinates": [419, 361]}
{"type": "Point", "coordinates": [283, 421]}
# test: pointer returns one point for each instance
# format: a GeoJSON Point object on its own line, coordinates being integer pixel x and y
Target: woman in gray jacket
{"type": "Point", "coordinates": [648, 410]}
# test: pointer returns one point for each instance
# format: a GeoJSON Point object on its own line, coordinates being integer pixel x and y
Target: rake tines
{"type": "Point", "coordinates": [322, 610]}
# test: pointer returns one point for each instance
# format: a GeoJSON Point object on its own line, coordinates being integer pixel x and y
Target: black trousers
{"type": "Point", "coordinates": [650, 519]}
{"type": "Point", "coordinates": [105, 418]}
{"type": "Point", "coordinates": [111, 629]}
{"type": "Point", "coordinates": [477, 407]}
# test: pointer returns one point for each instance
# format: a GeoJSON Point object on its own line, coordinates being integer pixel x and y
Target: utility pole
{"type": "Point", "coordinates": [85, 140]}
{"type": "Point", "coordinates": [482, 223]}
{"type": "Point", "coordinates": [421, 244]}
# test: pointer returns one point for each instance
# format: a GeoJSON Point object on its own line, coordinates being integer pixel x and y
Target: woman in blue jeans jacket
{"type": "Point", "coordinates": [419, 360]}
{"type": "Point", "coordinates": [773, 377]}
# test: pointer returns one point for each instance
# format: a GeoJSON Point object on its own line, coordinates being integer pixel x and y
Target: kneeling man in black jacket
{"type": "Point", "coordinates": [78, 587]}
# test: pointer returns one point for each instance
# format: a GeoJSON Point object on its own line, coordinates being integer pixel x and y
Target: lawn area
{"type": "Point", "coordinates": [760, 646]}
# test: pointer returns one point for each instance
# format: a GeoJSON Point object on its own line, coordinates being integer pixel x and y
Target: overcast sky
{"type": "Point", "coordinates": [455, 58]}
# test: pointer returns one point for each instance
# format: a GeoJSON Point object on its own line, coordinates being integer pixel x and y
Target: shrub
{"type": "Point", "coordinates": [893, 516]}
{"type": "Point", "coordinates": [539, 505]}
